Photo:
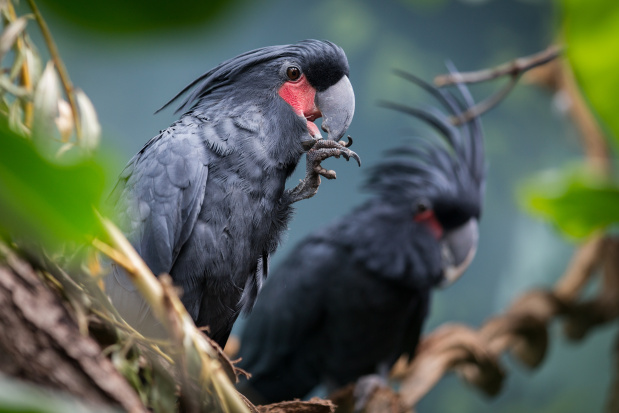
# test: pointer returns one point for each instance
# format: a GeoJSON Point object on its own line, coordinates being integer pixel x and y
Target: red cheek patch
{"type": "Point", "coordinates": [313, 129]}
{"type": "Point", "coordinates": [429, 219]}
{"type": "Point", "coordinates": [300, 96]}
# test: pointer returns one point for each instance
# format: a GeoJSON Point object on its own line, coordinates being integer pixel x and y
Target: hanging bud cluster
{"type": "Point", "coordinates": [41, 103]}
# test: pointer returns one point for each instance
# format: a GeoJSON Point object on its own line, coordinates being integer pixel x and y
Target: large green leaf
{"type": "Point", "coordinates": [576, 201]}
{"type": "Point", "coordinates": [44, 202]}
{"type": "Point", "coordinates": [591, 30]}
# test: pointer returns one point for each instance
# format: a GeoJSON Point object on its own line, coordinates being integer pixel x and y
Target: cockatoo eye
{"type": "Point", "coordinates": [293, 73]}
{"type": "Point", "coordinates": [422, 206]}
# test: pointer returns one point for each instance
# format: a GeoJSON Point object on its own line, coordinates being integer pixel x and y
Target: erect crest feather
{"type": "Point", "coordinates": [451, 165]}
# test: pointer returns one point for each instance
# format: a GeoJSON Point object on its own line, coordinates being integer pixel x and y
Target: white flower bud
{"type": "Point", "coordinates": [10, 34]}
{"type": "Point", "coordinates": [89, 123]}
{"type": "Point", "coordinates": [33, 61]}
{"type": "Point", "coordinates": [45, 108]}
{"type": "Point", "coordinates": [64, 121]}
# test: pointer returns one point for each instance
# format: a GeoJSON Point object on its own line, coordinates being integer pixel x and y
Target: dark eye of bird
{"type": "Point", "coordinates": [421, 207]}
{"type": "Point", "coordinates": [293, 73]}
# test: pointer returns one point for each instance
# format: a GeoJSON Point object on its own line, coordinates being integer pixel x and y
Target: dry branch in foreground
{"type": "Point", "coordinates": [41, 342]}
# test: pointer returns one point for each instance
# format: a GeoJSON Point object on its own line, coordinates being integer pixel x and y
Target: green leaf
{"type": "Point", "coordinates": [591, 30]}
{"type": "Point", "coordinates": [43, 202]}
{"type": "Point", "coordinates": [573, 199]}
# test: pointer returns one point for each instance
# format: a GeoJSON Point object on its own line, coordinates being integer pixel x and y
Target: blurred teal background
{"type": "Point", "coordinates": [129, 74]}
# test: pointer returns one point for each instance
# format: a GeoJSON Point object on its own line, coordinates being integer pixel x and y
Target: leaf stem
{"type": "Point", "coordinates": [25, 73]}
{"type": "Point", "coordinates": [60, 67]}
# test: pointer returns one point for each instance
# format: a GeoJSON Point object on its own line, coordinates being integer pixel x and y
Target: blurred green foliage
{"type": "Point", "coordinates": [45, 202]}
{"type": "Point", "coordinates": [125, 16]}
{"type": "Point", "coordinates": [578, 201]}
{"type": "Point", "coordinates": [591, 30]}
{"type": "Point", "coordinates": [20, 397]}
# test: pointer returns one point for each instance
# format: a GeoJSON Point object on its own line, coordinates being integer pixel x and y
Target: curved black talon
{"type": "Point", "coordinates": [347, 153]}
{"type": "Point", "coordinates": [349, 143]}
{"type": "Point", "coordinates": [355, 157]}
{"type": "Point", "coordinates": [320, 150]}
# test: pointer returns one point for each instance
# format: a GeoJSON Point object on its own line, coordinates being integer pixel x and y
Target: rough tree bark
{"type": "Point", "coordinates": [41, 342]}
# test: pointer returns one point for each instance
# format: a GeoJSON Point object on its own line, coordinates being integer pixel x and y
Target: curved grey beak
{"type": "Point", "coordinates": [458, 249]}
{"type": "Point", "coordinates": [337, 105]}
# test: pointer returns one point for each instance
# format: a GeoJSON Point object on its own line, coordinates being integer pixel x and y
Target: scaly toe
{"type": "Point", "coordinates": [330, 174]}
{"type": "Point", "coordinates": [355, 157]}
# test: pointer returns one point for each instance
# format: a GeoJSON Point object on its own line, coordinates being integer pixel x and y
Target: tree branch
{"type": "Point", "coordinates": [513, 69]}
{"type": "Point", "coordinates": [40, 341]}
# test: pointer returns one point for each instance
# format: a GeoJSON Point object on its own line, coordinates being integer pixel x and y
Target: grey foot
{"type": "Point", "coordinates": [324, 149]}
{"type": "Point", "coordinates": [365, 388]}
{"type": "Point", "coordinates": [321, 150]}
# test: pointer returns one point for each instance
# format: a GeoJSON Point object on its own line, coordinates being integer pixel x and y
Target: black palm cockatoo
{"type": "Point", "coordinates": [205, 200]}
{"type": "Point", "coordinates": [351, 298]}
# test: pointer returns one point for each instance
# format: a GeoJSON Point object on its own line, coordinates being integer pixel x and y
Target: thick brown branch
{"type": "Point", "coordinates": [41, 342]}
{"type": "Point", "coordinates": [584, 262]}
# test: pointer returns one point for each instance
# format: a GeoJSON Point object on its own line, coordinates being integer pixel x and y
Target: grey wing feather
{"type": "Point", "coordinates": [158, 198]}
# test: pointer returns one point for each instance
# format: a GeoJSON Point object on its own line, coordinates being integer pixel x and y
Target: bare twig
{"type": "Point", "coordinates": [485, 105]}
{"type": "Point", "coordinates": [113, 254]}
{"type": "Point", "coordinates": [513, 69]}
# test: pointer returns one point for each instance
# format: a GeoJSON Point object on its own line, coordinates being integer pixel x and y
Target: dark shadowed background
{"type": "Point", "coordinates": [130, 73]}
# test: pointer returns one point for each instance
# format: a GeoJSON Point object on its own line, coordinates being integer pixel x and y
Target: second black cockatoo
{"type": "Point", "coordinates": [205, 200]}
{"type": "Point", "coordinates": [351, 298]}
